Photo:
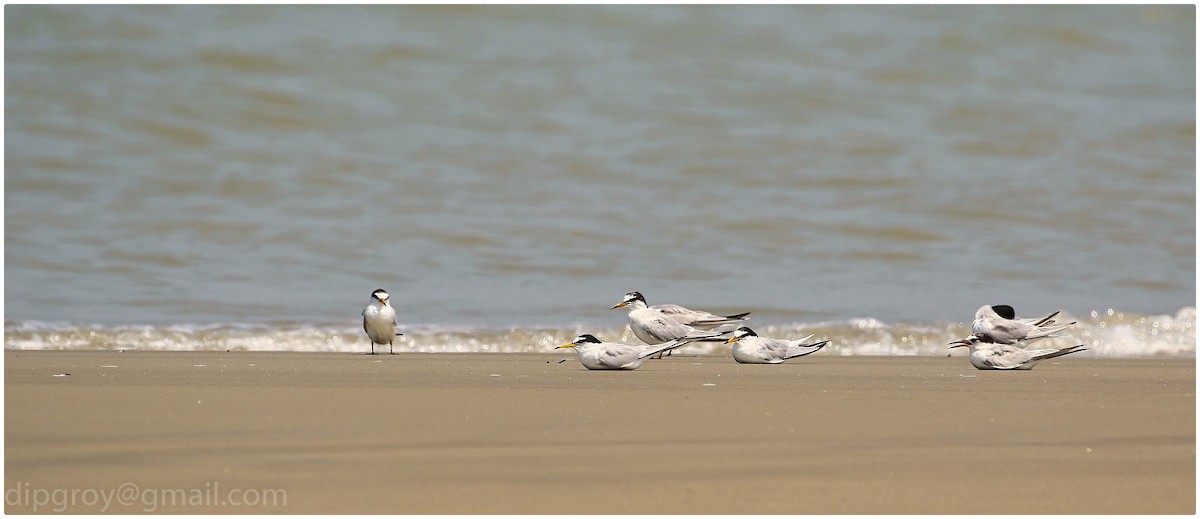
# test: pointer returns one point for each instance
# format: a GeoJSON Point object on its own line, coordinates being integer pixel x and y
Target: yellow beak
{"type": "Point", "coordinates": [619, 305]}
{"type": "Point", "coordinates": [733, 339]}
{"type": "Point", "coordinates": [567, 345]}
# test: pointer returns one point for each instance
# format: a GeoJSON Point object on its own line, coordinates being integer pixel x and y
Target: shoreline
{"type": "Point", "coordinates": [1115, 335]}
{"type": "Point", "coordinates": [532, 433]}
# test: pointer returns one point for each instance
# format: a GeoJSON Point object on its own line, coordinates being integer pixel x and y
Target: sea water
{"type": "Point", "coordinates": [243, 177]}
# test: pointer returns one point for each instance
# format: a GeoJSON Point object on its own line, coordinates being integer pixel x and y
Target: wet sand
{"type": "Point", "coordinates": [209, 432]}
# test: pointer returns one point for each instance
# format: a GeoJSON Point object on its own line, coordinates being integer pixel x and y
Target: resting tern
{"type": "Point", "coordinates": [985, 355]}
{"type": "Point", "coordinates": [998, 324]}
{"type": "Point", "coordinates": [596, 354]}
{"type": "Point", "coordinates": [749, 348]}
{"type": "Point", "coordinates": [379, 321]}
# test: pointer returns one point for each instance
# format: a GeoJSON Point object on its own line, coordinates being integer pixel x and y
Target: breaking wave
{"type": "Point", "coordinates": [1107, 333]}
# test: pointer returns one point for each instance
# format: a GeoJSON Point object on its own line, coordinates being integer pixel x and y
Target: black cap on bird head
{"type": "Point", "coordinates": [1005, 311]}
{"type": "Point", "coordinates": [630, 297]}
{"type": "Point", "coordinates": [740, 334]}
{"type": "Point", "coordinates": [580, 340]}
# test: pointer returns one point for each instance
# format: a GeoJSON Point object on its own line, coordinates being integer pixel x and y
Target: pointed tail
{"type": "Point", "coordinates": [695, 336]}
{"type": "Point", "coordinates": [1059, 353]}
{"type": "Point", "coordinates": [1047, 331]}
{"type": "Point", "coordinates": [804, 349]}
{"type": "Point", "coordinates": [1049, 319]}
{"type": "Point", "coordinates": [655, 350]}
{"type": "Point", "coordinates": [701, 336]}
{"type": "Point", "coordinates": [725, 319]}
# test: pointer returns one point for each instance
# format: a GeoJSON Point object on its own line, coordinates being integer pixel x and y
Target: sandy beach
{"type": "Point", "coordinates": [244, 432]}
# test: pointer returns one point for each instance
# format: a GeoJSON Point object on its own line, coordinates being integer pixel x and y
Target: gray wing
{"type": "Point", "coordinates": [616, 355]}
{"type": "Point", "coordinates": [773, 349]}
{"type": "Point", "coordinates": [660, 327]}
{"type": "Point", "coordinates": [1002, 331]}
{"type": "Point", "coordinates": [697, 318]}
{"type": "Point", "coordinates": [683, 315]}
{"type": "Point", "coordinates": [1006, 356]}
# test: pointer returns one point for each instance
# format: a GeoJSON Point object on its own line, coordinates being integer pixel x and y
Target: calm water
{"type": "Point", "coordinates": [244, 177]}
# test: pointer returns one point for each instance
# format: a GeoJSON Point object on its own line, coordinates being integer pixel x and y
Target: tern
{"type": "Point", "coordinates": [999, 324]}
{"type": "Point", "coordinates": [749, 348]}
{"type": "Point", "coordinates": [694, 318]}
{"type": "Point", "coordinates": [379, 321]}
{"type": "Point", "coordinates": [986, 355]}
{"type": "Point", "coordinates": [662, 323]}
{"type": "Point", "coordinates": [596, 354]}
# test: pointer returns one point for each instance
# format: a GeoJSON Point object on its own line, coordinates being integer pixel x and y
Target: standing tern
{"type": "Point", "coordinates": [694, 318]}
{"type": "Point", "coordinates": [749, 348]}
{"type": "Point", "coordinates": [662, 323]}
{"type": "Point", "coordinates": [379, 321]}
{"type": "Point", "coordinates": [596, 354]}
{"type": "Point", "coordinates": [999, 324]}
{"type": "Point", "coordinates": [985, 355]}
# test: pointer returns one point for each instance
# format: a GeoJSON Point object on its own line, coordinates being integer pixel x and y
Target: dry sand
{"type": "Point", "coordinates": [208, 432]}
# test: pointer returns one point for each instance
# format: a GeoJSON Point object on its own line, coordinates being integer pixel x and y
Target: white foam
{"type": "Point", "coordinates": [1106, 333]}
